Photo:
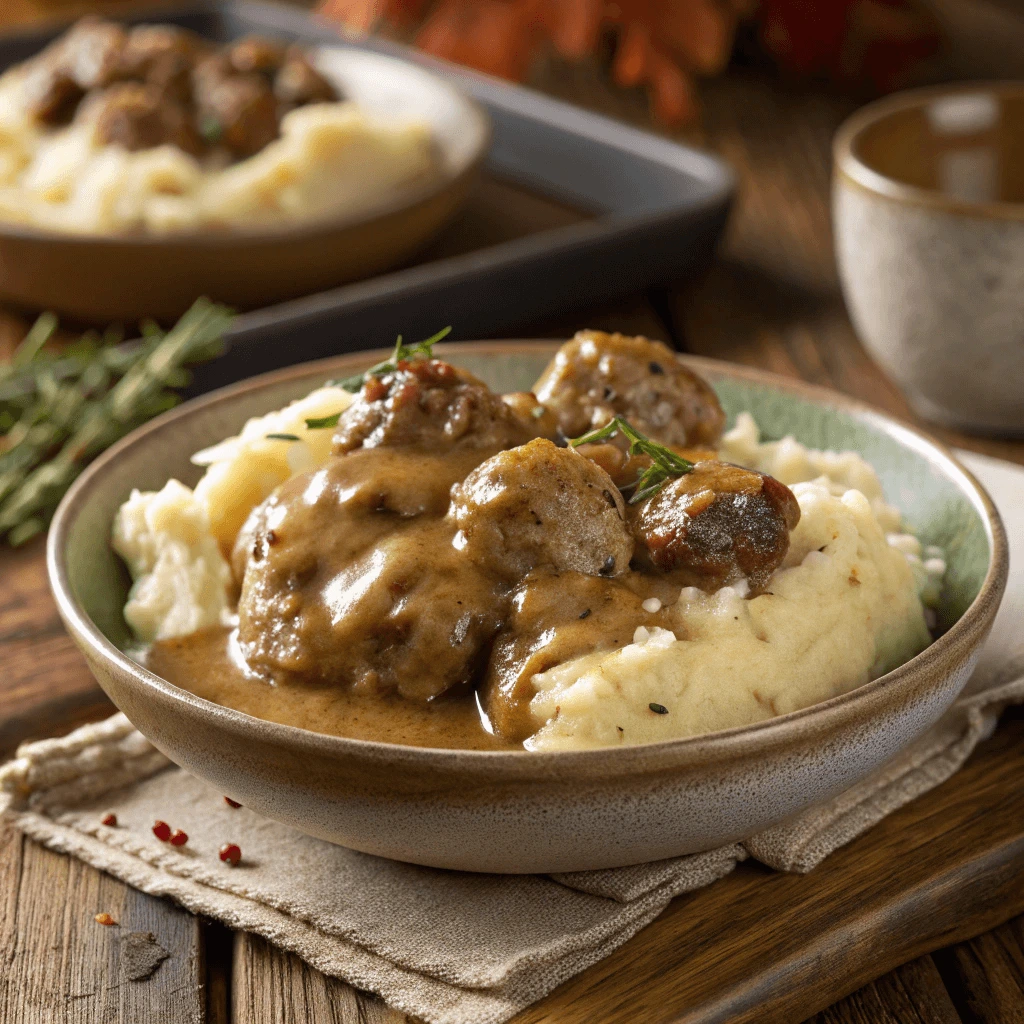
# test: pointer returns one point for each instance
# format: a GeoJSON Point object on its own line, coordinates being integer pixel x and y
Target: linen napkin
{"type": "Point", "coordinates": [448, 947]}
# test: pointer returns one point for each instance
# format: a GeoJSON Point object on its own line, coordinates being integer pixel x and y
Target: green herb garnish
{"type": "Point", "coordinates": [658, 709]}
{"type": "Point", "coordinates": [320, 422]}
{"type": "Point", "coordinates": [282, 437]}
{"type": "Point", "coordinates": [58, 411]}
{"type": "Point", "coordinates": [211, 129]}
{"type": "Point", "coordinates": [423, 349]}
{"type": "Point", "coordinates": [664, 462]}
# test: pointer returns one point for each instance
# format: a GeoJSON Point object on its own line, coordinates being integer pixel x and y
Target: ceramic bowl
{"type": "Point", "coordinates": [928, 205]}
{"type": "Point", "coordinates": [515, 811]}
{"type": "Point", "coordinates": [99, 279]}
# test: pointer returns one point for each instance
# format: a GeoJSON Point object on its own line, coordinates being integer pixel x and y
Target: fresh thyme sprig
{"type": "Point", "coordinates": [58, 412]}
{"type": "Point", "coordinates": [664, 462]}
{"type": "Point", "coordinates": [423, 350]}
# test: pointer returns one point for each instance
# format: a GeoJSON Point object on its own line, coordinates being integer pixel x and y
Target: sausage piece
{"type": "Point", "coordinates": [716, 525]}
{"type": "Point", "coordinates": [597, 376]}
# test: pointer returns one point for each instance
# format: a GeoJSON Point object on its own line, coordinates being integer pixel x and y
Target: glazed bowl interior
{"type": "Point", "coordinates": [958, 147]}
{"type": "Point", "coordinates": [939, 500]}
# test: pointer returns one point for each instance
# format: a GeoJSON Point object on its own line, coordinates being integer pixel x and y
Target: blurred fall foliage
{"type": "Point", "coordinates": [662, 45]}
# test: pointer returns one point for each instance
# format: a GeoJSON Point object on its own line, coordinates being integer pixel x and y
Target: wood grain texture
{"type": "Point", "coordinates": [270, 986]}
{"type": "Point", "coordinates": [912, 994]}
{"type": "Point", "coordinates": [764, 947]}
{"type": "Point", "coordinates": [985, 975]}
{"type": "Point", "coordinates": [45, 685]}
{"type": "Point", "coordinates": [61, 965]}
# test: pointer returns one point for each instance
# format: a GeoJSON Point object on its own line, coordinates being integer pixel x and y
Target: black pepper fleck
{"type": "Point", "coordinates": [658, 709]}
{"type": "Point", "coordinates": [656, 368]}
{"type": "Point", "coordinates": [609, 566]}
{"type": "Point", "coordinates": [584, 613]}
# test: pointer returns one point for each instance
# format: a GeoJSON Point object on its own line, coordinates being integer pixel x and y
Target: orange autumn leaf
{"type": "Point", "coordinates": [664, 46]}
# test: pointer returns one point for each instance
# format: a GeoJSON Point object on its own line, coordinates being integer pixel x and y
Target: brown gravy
{"type": "Point", "coordinates": [208, 665]}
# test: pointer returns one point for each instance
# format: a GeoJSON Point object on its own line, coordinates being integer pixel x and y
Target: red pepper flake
{"type": "Point", "coordinates": [111, 820]}
{"type": "Point", "coordinates": [231, 803]}
{"type": "Point", "coordinates": [105, 919]}
{"type": "Point", "coordinates": [231, 854]}
{"type": "Point", "coordinates": [179, 838]}
{"type": "Point", "coordinates": [162, 831]}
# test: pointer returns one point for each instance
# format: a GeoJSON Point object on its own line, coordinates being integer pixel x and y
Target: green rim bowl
{"type": "Point", "coordinates": [516, 811]}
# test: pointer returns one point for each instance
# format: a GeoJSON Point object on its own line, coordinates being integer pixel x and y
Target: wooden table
{"type": "Point", "coordinates": [939, 881]}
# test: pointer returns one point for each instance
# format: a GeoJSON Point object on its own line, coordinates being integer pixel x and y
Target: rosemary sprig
{"type": "Point", "coordinates": [664, 462]}
{"type": "Point", "coordinates": [62, 412]}
{"type": "Point", "coordinates": [421, 350]}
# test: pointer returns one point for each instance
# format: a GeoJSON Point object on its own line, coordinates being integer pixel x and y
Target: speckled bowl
{"type": "Point", "coordinates": [518, 811]}
{"type": "Point", "coordinates": [928, 206]}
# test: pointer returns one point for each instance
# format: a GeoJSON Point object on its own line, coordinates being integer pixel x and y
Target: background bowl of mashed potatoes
{"type": "Point", "coordinates": [551, 808]}
{"type": "Point", "coordinates": [103, 231]}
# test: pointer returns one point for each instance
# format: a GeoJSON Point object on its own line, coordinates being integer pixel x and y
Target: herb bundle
{"type": "Point", "coordinates": [665, 464]}
{"type": "Point", "coordinates": [58, 412]}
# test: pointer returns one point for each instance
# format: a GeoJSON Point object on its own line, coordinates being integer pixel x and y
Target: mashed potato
{"type": "Point", "coordinates": [176, 541]}
{"type": "Point", "coordinates": [330, 160]}
{"type": "Point", "coordinates": [842, 610]}
{"type": "Point", "coordinates": [849, 603]}
{"type": "Point", "coordinates": [181, 577]}
{"type": "Point", "coordinates": [241, 471]}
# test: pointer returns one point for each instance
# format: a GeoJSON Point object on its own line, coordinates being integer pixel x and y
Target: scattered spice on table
{"type": "Point", "coordinates": [231, 854]}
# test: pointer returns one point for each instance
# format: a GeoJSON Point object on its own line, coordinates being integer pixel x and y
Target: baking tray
{"type": "Point", "coordinates": [631, 210]}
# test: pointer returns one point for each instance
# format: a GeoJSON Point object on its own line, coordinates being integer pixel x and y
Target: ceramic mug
{"type": "Point", "coordinates": [928, 206]}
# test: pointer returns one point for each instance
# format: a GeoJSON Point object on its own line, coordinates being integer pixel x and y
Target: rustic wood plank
{"type": "Point", "coordinates": [218, 953]}
{"type": "Point", "coordinates": [766, 947]}
{"type": "Point", "coordinates": [270, 986]}
{"type": "Point", "coordinates": [63, 965]}
{"type": "Point", "coordinates": [45, 685]}
{"type": "Point", "coordinates": [912, 994]}
{"type": "Point", "coordinates": [985, 976]}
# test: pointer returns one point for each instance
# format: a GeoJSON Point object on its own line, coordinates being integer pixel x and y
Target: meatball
{"type": "Point", "coordinates": [51, 94]}
{"type": "Point", "coordinates": [540, 506]}
{"type": "Point", "coordinates": [716, 525]}
{"type": "Point", "coordinates": [138, 117]}
{"type": "Point", "coordinates": [430, 405]}
{"type": "Point", "coordinates": [238, 112]}
{"type": "Point", "coordinates": [89, 56]}
{"type": "Point", "coordinates": [297, 82]}
{"type": "Point", "coordinates": [349, 578]}
{"type": "Point", "coordinates": [255, 54]}
{"type": "Point", "coordinates": [92, 53]}
{"type": "Point", "coordinates": [555, 617]}
{"type": "Point", "coordinates": [163, 56]}
{"type": "Point", "coordinates": [597, 376]}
